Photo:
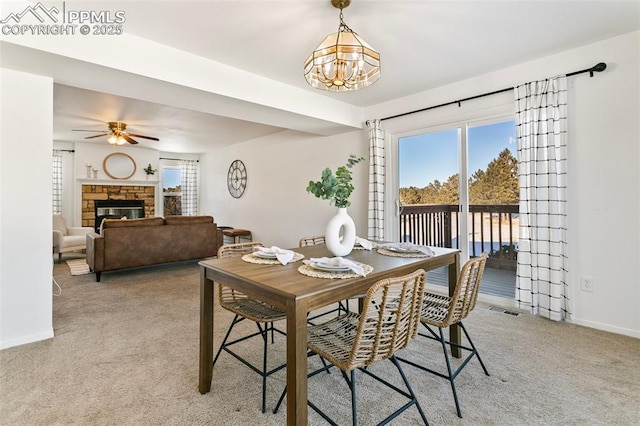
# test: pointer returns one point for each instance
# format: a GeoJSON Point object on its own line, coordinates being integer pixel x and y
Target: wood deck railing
{"type": "Point", "coordinates": [492, 228]}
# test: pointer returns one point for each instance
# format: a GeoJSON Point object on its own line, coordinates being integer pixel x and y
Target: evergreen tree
{"type": "Point", "coordinates": [411, 195]}
{"type": "Point", "coordinates": [502, 179]}
{"type": "Point", "coordinates": [449, 192]}
{"type": "Point", "coordinates": [498, 184]}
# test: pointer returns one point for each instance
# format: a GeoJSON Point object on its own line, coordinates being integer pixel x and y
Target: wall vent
{"type": "Point", "coordinates": [504, 311]}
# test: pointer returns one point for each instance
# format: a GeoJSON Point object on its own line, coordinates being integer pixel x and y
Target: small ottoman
{"type": "Point", "coordinates": [234, 236]}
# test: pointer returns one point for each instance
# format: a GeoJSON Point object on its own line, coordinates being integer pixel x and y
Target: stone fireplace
{"type": "Point", "coordinates": [141, 196]}
{"type": "Point", "coordinates": [117, 209]}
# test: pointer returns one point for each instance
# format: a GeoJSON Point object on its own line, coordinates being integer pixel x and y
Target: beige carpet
{"type": "Point", "coordinates": [78, 266]}
{"type": "Point", "coordinates": [126, 353]}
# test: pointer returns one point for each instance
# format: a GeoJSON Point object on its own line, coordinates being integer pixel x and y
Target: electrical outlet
{"type": "Point", "coordinates": [587, 284]}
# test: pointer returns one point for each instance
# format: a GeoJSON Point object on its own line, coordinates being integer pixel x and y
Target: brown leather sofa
{"type": "Point", "coordinates": [149, 241]}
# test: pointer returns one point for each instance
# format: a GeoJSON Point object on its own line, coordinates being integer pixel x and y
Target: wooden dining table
{"type": "Point", "coordinates": [296, 294]}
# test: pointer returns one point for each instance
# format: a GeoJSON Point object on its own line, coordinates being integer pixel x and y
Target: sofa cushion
{"type": "Point", "coordinates": [145, 221]}
{"type": "Point", "coordinates": [102, 223]}
{"type": "Point", "coordinates": [187, 220]}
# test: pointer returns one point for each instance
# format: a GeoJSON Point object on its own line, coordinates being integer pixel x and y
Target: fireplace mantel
{"type": "Point", "coordinates": [87, 181]}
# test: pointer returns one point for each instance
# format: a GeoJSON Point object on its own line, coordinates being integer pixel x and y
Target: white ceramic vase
{"type": "Point", "coordinates": [337, 243]}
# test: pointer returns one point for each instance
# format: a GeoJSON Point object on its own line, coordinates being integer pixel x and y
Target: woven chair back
{"type": "Point", "coordinates": [311, 241]}
{"type": "Point", "coordinates": [466, 292]}
{"type": "Point", "coordinates": [389, 319]}
{"type": "Point", "coordinates": [239, 249]}
{"type": "Point", "coordinates": [226, 295]}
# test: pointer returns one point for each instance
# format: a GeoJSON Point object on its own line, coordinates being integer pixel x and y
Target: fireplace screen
{"type": "Point", "coordinates": [117, 209]}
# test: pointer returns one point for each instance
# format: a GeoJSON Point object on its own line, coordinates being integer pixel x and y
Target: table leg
{"type": "Point", "coordinates": [454, 330]}
{"type": "Point", "coordinates": [206, 332]}
{"type": "Point", "coordinates": [297, 362]}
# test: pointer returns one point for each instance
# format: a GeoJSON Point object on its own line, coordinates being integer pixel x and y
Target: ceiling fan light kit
{"type": "Point", "coordinates": [117, 134]}
{"type": "Point", "coordinates": [343, 61]}
{"type": "Point", "coordinates": [117, 128]}
{"type": "Point", "coordinates": [116, 140]}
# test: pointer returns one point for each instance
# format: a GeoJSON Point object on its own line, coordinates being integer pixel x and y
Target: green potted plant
{"type": "Point", "coordinates": [337, 188]}
{"type": "Point", "coordinates": [150, 171]}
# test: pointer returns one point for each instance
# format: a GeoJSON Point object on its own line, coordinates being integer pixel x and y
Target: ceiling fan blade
{"type": "Point", "coordinates": [97, 136]}
{"type": "Point", "coordinates": [128, 139]}
{"type": "Point", "coordinates": [94, 131]}
{"type": "Point", "coordinates": [142, 136]}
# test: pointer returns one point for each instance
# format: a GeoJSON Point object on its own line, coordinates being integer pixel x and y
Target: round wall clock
{"type": "Point", "coordinates": [237, 179]}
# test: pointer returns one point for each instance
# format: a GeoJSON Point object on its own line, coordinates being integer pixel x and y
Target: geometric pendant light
{"type": "Point", "coordinates": [343, 61]}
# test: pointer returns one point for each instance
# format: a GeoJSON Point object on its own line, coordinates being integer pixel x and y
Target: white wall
{"type": "Point", "coordinates": [26, 126]}
{"type": "Point", "coordinates": [604, 182]}
{"type": "Point", "coordinates": [275, 206]}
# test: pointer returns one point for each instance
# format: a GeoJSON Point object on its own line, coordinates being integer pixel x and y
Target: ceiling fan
{"type": "Point", "coordinates": [117, 134]}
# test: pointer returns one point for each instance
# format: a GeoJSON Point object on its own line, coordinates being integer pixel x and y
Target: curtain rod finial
{"type": "Point", "coordinates": [599, 67]}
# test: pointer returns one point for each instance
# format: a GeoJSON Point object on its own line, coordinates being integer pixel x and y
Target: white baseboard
{"type": "Point", "coordinates": [606, 327]}
{"type": "Point", "coordinates": [23, 340]}
{"type": "Point", "coordinates": [512, 305]}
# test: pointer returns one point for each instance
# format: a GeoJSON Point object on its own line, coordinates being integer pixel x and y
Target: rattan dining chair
{"type": "Point", "coordinates": [245, 307]}
{"type": "Point", "coordinates": [443, 311]}
{"type": "Point", "coordinates": [351, 341]}
{"type": "Point", "coordinates": [311, 241]}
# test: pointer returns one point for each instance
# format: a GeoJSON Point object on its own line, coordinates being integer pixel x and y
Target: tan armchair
{"type": "Point", "coordinates": [66, 239]}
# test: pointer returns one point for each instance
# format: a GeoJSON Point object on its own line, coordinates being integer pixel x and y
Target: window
{"type": "Point", "coordinates": [57, 181]}
{"type": "Point", "coordinates": [172, 190]}
{"type": "Point", "coordinates": [459, 187]}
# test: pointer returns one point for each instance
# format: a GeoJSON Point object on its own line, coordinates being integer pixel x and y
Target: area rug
{"type": "Point", "coordinates": [78, 266]}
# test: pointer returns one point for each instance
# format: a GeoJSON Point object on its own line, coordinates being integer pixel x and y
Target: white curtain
{"type": "Point", "coordinates": [189, 184]}
{"type": "Point", "coordinates": [376, 180]}
{"type": "Point", "coordinates": [57, 181]}
{"type": "Point", "coordinates": [542, 158]}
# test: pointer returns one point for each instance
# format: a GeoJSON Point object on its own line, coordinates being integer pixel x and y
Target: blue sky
{"type": "Point", "coordinates": [424, 158]}
{"type": "Point", "coordinates": [170, 178]}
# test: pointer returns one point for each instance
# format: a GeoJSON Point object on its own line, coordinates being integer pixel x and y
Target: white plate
{"type": "Point", "coordinates": [264, 255]}
{"type": "Point", "coordinates": [329, 268]}
{"type": "Point", "coordinates": [403, 250]}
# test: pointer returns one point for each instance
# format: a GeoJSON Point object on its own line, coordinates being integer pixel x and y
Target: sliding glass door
{"type": "Point", "coordinates": [493, 192]}
{"type": "Point", "coordinates": [457, 187]}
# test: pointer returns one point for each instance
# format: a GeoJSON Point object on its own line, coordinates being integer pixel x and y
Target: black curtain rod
{"type": "Point", "coordinates": [178, 159]}
{"type": "Point", "coordinates": [596, 68]}
{"type": "Point", "coordinates": [65, 150]}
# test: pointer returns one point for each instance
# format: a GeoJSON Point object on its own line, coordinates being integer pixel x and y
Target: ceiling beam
{"type": "Point", "coordinates": [137, 68]}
